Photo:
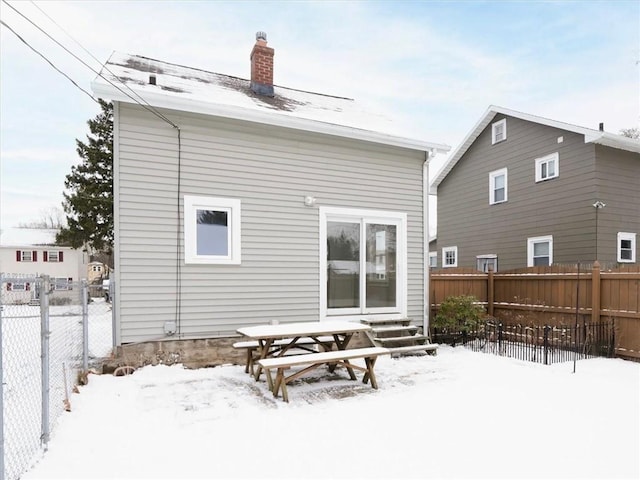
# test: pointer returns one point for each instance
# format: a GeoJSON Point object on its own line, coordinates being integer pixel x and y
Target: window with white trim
{"type": "Point", "coordinates": [433, 259]}
{"type": "Point", "coordinates": [540, 251]}
{"type": "Point", "coordinates": [212, 232]}
{"type": "Point", "coordinates": [499, 131]}
{"type": "Point", "coordinates": [483, 262]}
{"type": "Point", "coordinates": [18, 286]}
{"type": "Point", "coordinates": [498, 186]}
{"type": "Point", "coordinates": [362, 262]}
{"type": "Point", "coordinates": [626, 247]}
{"type": "Point", "coordinates": [450, 257]}
{"type": "Point", "coordinates": [547, 167]}
{"type": "Point", "coordinates": [53, 256]}
{"type": "Point", "coordinates": [26, 256]}
{"type": "Point", "coordinates": [62, 283]}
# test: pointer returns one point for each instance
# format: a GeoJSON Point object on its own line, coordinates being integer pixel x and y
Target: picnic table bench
{"type": "Point", "coordinates": [282, 346]}
{"type": "Point", "coordinates": [314, 360]}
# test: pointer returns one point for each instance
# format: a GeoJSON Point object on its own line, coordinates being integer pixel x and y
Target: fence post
{"type": "Point", "coordinates": [44, 355]}
{"type": "Point", "coordinates": [499, 338]}
{"type": "Point", "coordinates": [490, 291]}
{"type": "Point", "coordinates": [546, 344]}
{"type": "Point", "coordinates": [595, 293]}
{"type": "Point", "coordinates": [84, 298]}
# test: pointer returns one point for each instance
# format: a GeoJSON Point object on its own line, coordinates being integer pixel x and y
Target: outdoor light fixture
{"type": "Point", "coordinates": [598, 205]}
{"type": "Point", "coordinates": [309, 201]}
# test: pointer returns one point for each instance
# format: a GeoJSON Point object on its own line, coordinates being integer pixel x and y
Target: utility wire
{"type": "Point", "coordinates": [49, 61]}
{"type": "Point", "coordinates": [100, 63]}
{"type": "Point", "coordinates": [148, 108]}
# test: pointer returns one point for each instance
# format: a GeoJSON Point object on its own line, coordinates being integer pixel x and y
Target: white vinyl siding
{"type": "Point", "coordinates": [498, 186]}
{"type": "Point", "coordinates": [626, 242]}
{"type": "Point", "coordinates": [270, 170]}
{"type": "Point", "coordinates": [547, 167]}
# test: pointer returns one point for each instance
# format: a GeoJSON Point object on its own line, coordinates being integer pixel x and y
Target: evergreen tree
{"type": "Point", "coordinates": [88, 199]}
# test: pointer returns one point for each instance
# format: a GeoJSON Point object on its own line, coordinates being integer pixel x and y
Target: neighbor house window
{"type": "Point", "coordinates": [26, 256]}
{"type": "Point", "coordinates": [499, 131]}
{"type": "Point", "coordinates": [483, 262]}
{"type": "Point", "coordinates": [547, 167]}
{"type": "Point", "coordinates": [626, 247]}
{"type": "Point", "coordinates": [540, 251]}
{"type": "Point", "coordinates": [450, 257]}
{"type": "Point", "coordinates": [363, 264]}
{"type": "Point", "coordinates": [52, 256]}
{"type": "Point", "coordinates": [433, 259]}
{"type": "Point", "coordinates": [211, 230]}
{"type": "Point", "coordinates": [18, 286]}
{"type": "Point", "coordinates": [62, 283]}
{"type": "Point", "coordinates": [498, 186]}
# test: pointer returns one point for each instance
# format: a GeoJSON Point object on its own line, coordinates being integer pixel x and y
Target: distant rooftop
{"type": "Point", "coordinates": [27, 237]}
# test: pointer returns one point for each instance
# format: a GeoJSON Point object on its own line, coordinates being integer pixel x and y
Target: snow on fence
{"type": "Point", "coordinates": [552, 296]}
{"type": "Point", "coordinates": [50, 335]}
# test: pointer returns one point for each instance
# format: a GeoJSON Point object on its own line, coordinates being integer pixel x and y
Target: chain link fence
{"type": "Point", "coordinates": [52, 332]}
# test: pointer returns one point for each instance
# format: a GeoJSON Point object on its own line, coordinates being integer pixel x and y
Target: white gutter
{"type": "Point", "coordinates": [162, 100]}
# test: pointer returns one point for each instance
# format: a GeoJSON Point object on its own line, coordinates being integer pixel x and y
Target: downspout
{"type": "Point", "coordinates": [425, 240]}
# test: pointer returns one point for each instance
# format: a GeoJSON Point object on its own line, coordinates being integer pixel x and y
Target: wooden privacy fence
{"type": "Point", "coordinates": [552, 296]}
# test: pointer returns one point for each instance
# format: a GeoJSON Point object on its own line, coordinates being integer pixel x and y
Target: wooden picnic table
{"type": "Point", "coordinates": [341, 331]}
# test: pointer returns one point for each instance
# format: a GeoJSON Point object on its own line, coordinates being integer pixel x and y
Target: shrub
{"type": "Point", "coordinates": [459, 314]}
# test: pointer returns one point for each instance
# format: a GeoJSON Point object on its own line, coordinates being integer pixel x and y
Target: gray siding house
{"type": "Point", "coordinates": [239, 202]}
{"type": "Point", "coordinates": [524, 191]}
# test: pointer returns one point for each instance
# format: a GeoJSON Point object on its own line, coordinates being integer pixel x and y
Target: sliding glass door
{"type": "Point", "coordinates": [362, 261]}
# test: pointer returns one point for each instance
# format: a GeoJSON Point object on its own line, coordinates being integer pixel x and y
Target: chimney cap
{"type": "Point", "coordinates": [261, 36]}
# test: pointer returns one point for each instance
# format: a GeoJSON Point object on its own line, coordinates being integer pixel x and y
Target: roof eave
{"type": "Point", "coordinates": [161, 100]}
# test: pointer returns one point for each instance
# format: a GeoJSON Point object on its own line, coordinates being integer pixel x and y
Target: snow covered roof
{"type": "Point", "coordinates": [27, 237]}
{"type": "Point", "coordinates": [126, 78]}
{"type": "Point", "coordinates": [590, 136]}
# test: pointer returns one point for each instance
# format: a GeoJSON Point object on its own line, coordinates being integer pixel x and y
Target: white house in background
{"type": "Point", "coordinates": [298, 183]}
{"type": "Point", "coordinates": [63, 264]}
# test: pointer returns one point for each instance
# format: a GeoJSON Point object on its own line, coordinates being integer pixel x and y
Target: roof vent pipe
{"type": "Point", "coordinates": [601, 127]}
{"type": "Point", "coordinates": [152, 79]}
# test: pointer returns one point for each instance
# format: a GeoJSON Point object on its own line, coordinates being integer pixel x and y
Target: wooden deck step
{"type": "Point", "coordinates": [411, 329]}
{"type": "Point", "coordinates": [386, 321]}
{"type": "Point", "coordinates": [430, 348]}
{"type": "Point", "coordinates": [406, 339]}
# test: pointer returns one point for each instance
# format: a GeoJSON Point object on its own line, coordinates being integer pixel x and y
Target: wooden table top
{"type": "Point", "coordinates": [303, 329]}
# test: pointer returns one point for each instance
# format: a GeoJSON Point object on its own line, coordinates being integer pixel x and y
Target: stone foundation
{"type": "Point", "coordinates": [200, 353]}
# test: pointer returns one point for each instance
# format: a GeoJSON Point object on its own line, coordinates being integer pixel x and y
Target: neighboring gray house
{"type": "Point", "coordinates": [523, 190]}
{"type": "Point", "coordinates": [235, 201]}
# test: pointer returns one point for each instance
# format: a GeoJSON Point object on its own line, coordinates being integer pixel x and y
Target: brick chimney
{"type": "Point", "coordinates": [262, 66]}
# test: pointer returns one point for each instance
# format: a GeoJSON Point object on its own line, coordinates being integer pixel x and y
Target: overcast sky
{"type": "Point", "coordinates": [434, 67]}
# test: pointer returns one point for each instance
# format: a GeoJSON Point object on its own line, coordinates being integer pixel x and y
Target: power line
{"type": "Point", "coordinates": [100, 63]}
{"type": "Point", "coordinates": [49, 61]}
{"type": "Point", "coordinates": [148, 108]}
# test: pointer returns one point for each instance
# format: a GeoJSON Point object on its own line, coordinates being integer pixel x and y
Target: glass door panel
{"type": "Point", "coordinates": [343, 264]}
{"type": "Point", "coordinates": [381, 261]}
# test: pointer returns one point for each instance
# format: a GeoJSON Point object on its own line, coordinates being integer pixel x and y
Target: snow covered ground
{"type": "Point", "coordinates": [457, 415]}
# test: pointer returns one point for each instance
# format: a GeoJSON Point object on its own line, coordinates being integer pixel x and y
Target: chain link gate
{"type": "Point", "coordinates": [51, 333]}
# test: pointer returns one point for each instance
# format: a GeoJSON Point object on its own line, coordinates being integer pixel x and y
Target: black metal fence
{"type": "Point", "coordinates": [542, 344]}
